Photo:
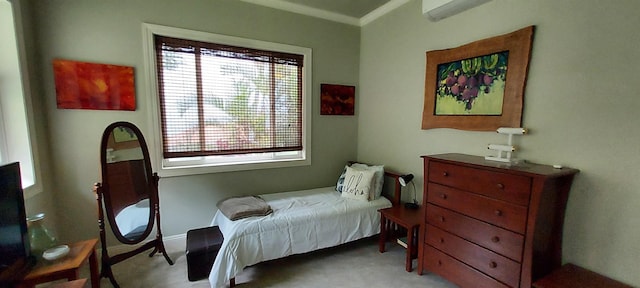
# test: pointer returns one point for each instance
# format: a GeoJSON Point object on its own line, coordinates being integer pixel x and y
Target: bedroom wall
{"type": "Point", "coordinates": [110, 32]}
{"type": "Point", "coordinates": [580, 104]}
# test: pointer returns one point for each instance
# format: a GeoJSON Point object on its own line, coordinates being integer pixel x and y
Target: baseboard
{"type": "Point", "coordinates": [178, 237]}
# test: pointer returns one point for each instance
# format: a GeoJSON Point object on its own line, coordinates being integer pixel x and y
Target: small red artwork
{"type": "Point", "coordinates": [82, 85]}
{"type": "Point", "coordinates": [337, 99]}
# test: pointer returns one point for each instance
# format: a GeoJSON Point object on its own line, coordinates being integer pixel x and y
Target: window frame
{"type": "Point", "coordinates": [203, 165]}
{"type": "Point", "coordinates": [20, 106]}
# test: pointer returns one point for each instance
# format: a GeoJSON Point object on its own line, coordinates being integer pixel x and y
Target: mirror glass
{"type": "Point", "coordinates": [127, 187]}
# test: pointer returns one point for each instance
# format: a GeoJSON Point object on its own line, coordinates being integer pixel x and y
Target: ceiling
{"type": "Point", "coordinates": [353, 12]}
{"type": "Point", "coordinates": [351, 8]}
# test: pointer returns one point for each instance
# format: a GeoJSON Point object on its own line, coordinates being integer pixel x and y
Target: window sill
{"type": "Point", "coordinates": [169, 171]}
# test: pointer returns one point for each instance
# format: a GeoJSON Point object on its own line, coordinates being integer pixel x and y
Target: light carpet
{"type": "Point", "coordinates": [357, 264]}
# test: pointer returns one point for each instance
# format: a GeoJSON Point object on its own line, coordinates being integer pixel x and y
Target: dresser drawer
{"type": "Point", "coordinates": [496, 212]}
{"type": "Point", "coordinates": [456, 271]}
{"type": "Point", "coordinates": [508, 187]}
{"type": "Point", "coordinates": [499, 240]}
{"type": "Point", "coordinates": [497, 266]}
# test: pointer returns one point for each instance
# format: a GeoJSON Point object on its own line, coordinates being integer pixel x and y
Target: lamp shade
{"type": "Point", "coordinates": [405, 179]}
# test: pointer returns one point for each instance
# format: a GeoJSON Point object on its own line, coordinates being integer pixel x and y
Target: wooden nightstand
{"type": "Point", "coordinates": [409, 219]}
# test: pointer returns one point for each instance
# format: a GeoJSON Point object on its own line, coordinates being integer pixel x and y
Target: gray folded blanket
{"type": "Point", "coordinates": [242, 207]}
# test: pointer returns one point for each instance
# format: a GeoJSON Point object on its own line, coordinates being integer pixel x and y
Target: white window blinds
{"type": "Point", "coordinates": [219, 99]}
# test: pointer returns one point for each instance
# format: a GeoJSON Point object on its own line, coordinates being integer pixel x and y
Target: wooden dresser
{"type": "Point", "coordinates": [489, 224]}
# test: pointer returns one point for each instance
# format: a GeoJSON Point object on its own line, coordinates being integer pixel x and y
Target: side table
{"type": "Point", "coordinates": [569, 276]}
{"type": "Point", "coordinates": [80, 283]}
{"type": "Point", "coordinates": [406, 218]}
{"type": "Point", "coordinates": [67, 267]}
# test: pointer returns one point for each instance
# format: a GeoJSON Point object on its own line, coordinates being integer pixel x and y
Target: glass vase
{"type": "Point", "coordinates": [40, 238]}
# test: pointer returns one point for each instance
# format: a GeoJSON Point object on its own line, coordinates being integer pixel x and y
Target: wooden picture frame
{"type": "Point", "coordinates": [491, 67]}
{"type": "Point", "coordinates": [123, 138]}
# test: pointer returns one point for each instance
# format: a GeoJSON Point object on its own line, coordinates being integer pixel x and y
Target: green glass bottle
{"type": "Point", "coordinates": [40, 238]}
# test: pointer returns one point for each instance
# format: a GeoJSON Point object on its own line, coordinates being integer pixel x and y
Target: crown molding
{"type": "Point", "coordinates": [306, 10]}
{"type": "Point", "coordinates": [382, 10]}
{"type": "Point", "coordinates": [331, 16]}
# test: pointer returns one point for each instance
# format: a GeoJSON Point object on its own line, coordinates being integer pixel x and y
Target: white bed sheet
{"type": "Point", "coordinates": [133, 216]}
{"type": "Point", "coordinates": [302, 221]}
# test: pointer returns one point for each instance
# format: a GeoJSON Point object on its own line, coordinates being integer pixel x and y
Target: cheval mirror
{"type": "Point", "coordinates": [129, 192]}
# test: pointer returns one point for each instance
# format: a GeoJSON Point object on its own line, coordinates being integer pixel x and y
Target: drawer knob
{"type": "Point", "coordinates": [498, 213]}
{"type": "Point", "coordinates": [445, 173]}
{"type": "Point", "coordinates": [443, 196]}
{"type": "Point", "coordinates": [441, 218]}
{"type": "Point", "coordinates": [439, 263]}
{"type": "Point", "coordinates": [495, 239]}
{"type": "Point", "coordinates": [493, 264]}
{"type": "Point", "coordinates": [500, 186]}
{"type": "Point", "coordinates": [441, 240]}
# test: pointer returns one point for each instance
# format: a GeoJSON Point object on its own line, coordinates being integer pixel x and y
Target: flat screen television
{"type": "Point", "coordinates": [16, 257]}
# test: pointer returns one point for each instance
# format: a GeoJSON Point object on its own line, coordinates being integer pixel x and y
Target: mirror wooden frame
{"type": "Point", "coordinates": [102, 194]}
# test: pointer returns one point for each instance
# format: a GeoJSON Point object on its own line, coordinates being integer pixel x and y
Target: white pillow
{"type": "Point", "coordinates": [358, 184]}
{"type": "Point", "coordinates": [340, 182]}
{"type": "Point", "coordinates": [378, 183]}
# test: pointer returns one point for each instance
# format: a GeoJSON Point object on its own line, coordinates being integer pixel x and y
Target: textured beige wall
{"type": "Point", "coordinates": [581, 105]}
{"type": "Point", "coordinates": [111, 32]}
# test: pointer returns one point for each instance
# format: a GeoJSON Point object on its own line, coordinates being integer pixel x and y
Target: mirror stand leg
{"type": "Point", "coordinates": [166, 256]}
{"type": "Point", "coordinates": [159, 248]}
{"type": "Point", "coordinates": [107, 273]}
{"type": "Point", "coordinates": [104, 258]}
{"type": "Point", "coordinates": [159, 243]}
{"type": "Point", "coordinates": [154, 251]}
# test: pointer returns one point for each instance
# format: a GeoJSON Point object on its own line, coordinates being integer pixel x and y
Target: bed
{"type": "Point", "coordinates": [133, 219]}
{"type": "Point", "coordinates": [302, 221]}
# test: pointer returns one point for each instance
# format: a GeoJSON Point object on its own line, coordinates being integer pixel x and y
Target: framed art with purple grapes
{"type": "Point", "coordinates": [473, 86]}
{"type": "Point", "coordinates": [478, 86]}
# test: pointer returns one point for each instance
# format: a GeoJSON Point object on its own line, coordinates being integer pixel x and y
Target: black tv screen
{"type": "Point", "coordinates": [14, 239]}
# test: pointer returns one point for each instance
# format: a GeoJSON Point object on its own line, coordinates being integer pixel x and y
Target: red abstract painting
{"type": "Point", "coordinates": [82, 85]}
{"type": "Point", "coordinates": [337, 99]}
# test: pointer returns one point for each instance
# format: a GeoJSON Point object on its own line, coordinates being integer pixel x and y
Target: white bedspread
{"type": "Point", "coordinates": [133, 216]}
{"type": "Point", "coordinates": [302, 221]}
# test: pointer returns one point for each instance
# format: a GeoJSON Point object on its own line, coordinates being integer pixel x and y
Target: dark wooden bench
{"type": "Point", "coordinates": [570, 276]}
{"type": "Point", "coordinates": [203, 245]}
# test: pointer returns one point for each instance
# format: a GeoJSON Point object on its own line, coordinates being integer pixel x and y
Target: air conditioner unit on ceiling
{"type": "Point", "coordinates": [440, 9]}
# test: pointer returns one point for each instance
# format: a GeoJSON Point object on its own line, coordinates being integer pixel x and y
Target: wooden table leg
{"type": "Point", "coordinates": [409, 259]}
{"type": "Point", "coordinates": [93, 268]}
{"type": "Point", "coordinates": [74, 275]}
{"type": "Point", "coordinates": [383, 233]}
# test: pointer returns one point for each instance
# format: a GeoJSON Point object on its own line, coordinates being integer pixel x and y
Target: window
{"type": "Point", "coordinates": [226, 103]}
{"type": "Point", "coordinates": [18, 141]}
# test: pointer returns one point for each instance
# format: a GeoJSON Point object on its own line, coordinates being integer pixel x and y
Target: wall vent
{"type": "Point", "coordinates": [439, 9]}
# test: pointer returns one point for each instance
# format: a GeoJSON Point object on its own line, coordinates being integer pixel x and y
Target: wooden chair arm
{"type": "Point", "coordinates": [397, 188]}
